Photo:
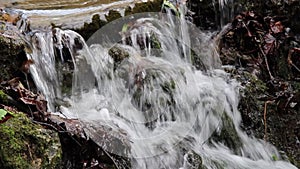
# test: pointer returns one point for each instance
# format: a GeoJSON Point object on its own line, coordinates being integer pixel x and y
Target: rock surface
{"type": "Point", "coordinates": [28, 145]}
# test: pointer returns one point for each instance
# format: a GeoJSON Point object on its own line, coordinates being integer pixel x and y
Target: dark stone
{"type": "Point", "coordinates": [90, 28]}
{"type": "Point", "coordinates": [12, 55]}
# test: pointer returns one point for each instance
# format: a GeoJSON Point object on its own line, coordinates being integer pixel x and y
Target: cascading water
{"type": "Point", "coordinates": [170, 113]}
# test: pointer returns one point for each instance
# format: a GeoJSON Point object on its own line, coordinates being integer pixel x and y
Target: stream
{"type": "Point", "coordinates": [142, 83]}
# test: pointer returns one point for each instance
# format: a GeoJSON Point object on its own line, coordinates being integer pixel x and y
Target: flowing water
{"type": "Point", "coordinates": [171, 114]}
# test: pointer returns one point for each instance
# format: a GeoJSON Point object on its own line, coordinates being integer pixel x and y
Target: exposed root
{"type": "Point", "coordinates": [267, 63]}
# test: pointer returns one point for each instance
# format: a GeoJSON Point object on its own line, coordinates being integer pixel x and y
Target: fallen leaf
{"type": "Point", "coordinates": [3, 113]}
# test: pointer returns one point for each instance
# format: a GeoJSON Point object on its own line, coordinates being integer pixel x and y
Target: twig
{"type": "Point", "coordinates": [263, 53]}
{"type": "Point", "coordinates": [266, 60]}
{"type": "Point", "coordinates": [295, 66]}
{"type": "Point", "coordinates": [46, 124]}
{"type": "Point", "coordinates": [57, 130]}
{"type": "Point", "coordinates": [290, 58]}
{"type": "Point", "coordinates": [115, 163]}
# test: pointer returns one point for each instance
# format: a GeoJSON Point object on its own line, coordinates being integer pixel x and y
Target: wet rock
{"type": "Point", "coordinates": [118, 54]}
{"type": "Point", "coordinates": [12, 56]}
{"type": "Point", "coordinates": [90, 28]}
{"type": "Point", "coordinates": [228, 135]}
{"type": "Point", "coordinates": [12, 47]}
{"type": "Point", "coordinates": [91, 144]}
{"type": "Point", "coordinates": [25, 144]}
{"type": "Point", "coordinates": [251, 104]}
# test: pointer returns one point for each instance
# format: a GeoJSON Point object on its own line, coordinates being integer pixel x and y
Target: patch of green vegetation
{"type": "Point", "coordinates": [168, 86]}
{"type": "Point", "coordinates": [113, 15]}
{"type": "Point", "coordinates": [27, 145]}
{"type": "Point", "coordinates": [150, 6]}
{"type": "Point", "coordinates": [3, 97]}
{"type": "Point", "coordinates": [294, 161]}
{"type": "Point", "coordinates": [89, 29]}
{"type": "Point", "coordinates": [254, 84]}
{"type": "Point", "coordinates": [155, 43]}
{"type": "Point", "coordinates": [118, 54]}
{"type": "Point", "coordinates": [274, 157]}
{"type": "Point", "coordinates": [4, 112]}
{"type": "Point", "coordinates": [228, 134]}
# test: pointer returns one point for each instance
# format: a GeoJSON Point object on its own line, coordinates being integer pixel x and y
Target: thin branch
{"type": "Point", "coordinates": [289, 59]}
{"type": "Point", "coordinates": [267, 63]}
{"type": "Point", "coordinates": [115, 163]}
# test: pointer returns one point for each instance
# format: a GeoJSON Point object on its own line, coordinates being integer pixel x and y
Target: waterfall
{"type": "Point", "coordinates": [227, 11]}
{"type": "Point", "coordinates": [171, 111]}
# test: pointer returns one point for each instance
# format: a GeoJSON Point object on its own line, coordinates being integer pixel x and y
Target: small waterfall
{"type": "Point", "coordinates": [171, 113]}
{"type": "Point", "coordinates": [226, 9]}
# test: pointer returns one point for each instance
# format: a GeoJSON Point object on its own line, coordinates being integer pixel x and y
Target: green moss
{"type": "Point", "coordinates": [228, 134]}
{"type": "Point", "coordinates": [294, 161]}
{"type": "Point", "coordinates": [150, 6]}
{"type": "Point", "coordinates": [113, 15]}
{"type": "Point", "coordinates": [274, 157]}
{"type": "Point", "coordinates": [118, 54]}
{"type": "Point", "coordinates": [3, 97]}
{"type": "Point", "coordinates": [255, 84]}
{"type": "Point", "coordinates": [90, 28]}
{"type": "Point", "coordinates": [27, 145]}
{"type": "Point", "coordinates": [168, 86]}
{"type": "Point", "coordinates": [155, 43]}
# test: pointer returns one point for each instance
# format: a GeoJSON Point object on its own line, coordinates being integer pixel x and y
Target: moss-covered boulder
{"type": "Point", "coordinates": [118, 55]}
{"type": "Point", "coordinates": [12, 56]}
{"type": "Point", "coordinates": [228, 135]}
{"type": "Point", "coordinates": [24, 144]}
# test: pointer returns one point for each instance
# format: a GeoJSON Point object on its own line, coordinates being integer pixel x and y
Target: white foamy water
{"type": "Point", "coordinates": [166, 109]}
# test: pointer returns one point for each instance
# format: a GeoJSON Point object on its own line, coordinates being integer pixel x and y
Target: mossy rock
{"type": "Point", "coordinates": [118, 55]}
{"type": "Point", "coordinates": [250, 106]}
{"type": "Point", "coordinates": [27, 145]}
{"type": "Point", "coordinates": [90, 28]}
{"type": "Point", "coordinates": [228, 134]}
{"type": "Point", "coordinates": [150, 6]}
{"type": "Point", "coordinates": [3, 97]}
{"type": "Point", "coordinates": [113, 15]}
{"type": "Point", "coordinates": [11, 56]}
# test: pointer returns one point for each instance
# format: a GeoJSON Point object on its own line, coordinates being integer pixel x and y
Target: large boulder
{"type": "Point", "coordinates": [25, 144]}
